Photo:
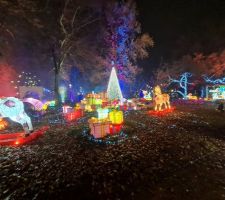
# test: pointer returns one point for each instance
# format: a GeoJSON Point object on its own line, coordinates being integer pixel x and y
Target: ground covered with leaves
{"type": "Point", "coordinates": [177, 156]}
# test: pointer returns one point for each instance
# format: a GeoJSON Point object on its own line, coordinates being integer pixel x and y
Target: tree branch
{"type": "Point", "coordinates": [74, 17]}
{"type": "Point", "coordinates": [90, 22]}
{"type": "Point", "coordinates": [62, 17]}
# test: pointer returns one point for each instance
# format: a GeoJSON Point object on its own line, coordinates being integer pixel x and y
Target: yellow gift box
{"type": "Point", "coordinates": [116, 117]}
{"type": "Point", "coordinates": [88, 108]}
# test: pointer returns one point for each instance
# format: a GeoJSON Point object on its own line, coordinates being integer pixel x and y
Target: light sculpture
{"type": "Point", "coordinates": [161, 99]}
{"type": "Point", "coordinates": [103, 113]}
{"type": "Point", "coordinates": [38, 105]}
{"type": "Point", "coordinates": [113, 90]}
{"type": "Point", "coordinates": [13, 109]}
{"type": "Point", "coordinates": [62, 92]}
{"type": "Point", "coordinates": [116, 117]}
{"type": "Point", "coordinates": [3, 124]}
{"type": "Point", "coordinates": [183, 83]}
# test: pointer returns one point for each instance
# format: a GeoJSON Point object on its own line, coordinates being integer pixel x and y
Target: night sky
{"type": "Point", "coordinates": [181, 27]}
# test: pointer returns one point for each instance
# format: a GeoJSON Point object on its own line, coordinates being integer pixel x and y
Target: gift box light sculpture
{"type": "Point", "coordinates": [72, 116]}
{"type": "Point", "coordinates": [103, 113]}
{"type": "Point", "coordinates": [88, 108]}
{"type": "Point", "coordinates": [13, 109]}
{"type": "Point", "coordinates": [116, 117]}
{"type": "Point", "coordinates": [99, 129]}
{"type": "Point", "coordinates": [67, 109]}
{"type": "Point", "coordinates": [116, 128]}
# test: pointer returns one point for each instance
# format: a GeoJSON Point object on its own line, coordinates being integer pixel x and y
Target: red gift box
{"type": "Point", "coordinates": [123, 107]}
{"type": "Point", "coordinates": [114, 129]}
{"type": "Point", "coordinates": [74, 115]}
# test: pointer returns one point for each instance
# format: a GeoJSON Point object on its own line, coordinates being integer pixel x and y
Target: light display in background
{"type": "Point", "coordinates": [191, 97]}
{"type": "Point", "coordinates": [25, 79]}
{"type": "Point", "coordinates": [13, 109]}
{"type": "Point", "coordinates": [114, 90]}
{"type": "Point", "coordinates": [62, 93]}
{"type": "Point", "coordinates": [67, 109]}
{"type": "Point", "coordinates": [38, 105]}
{"type": "Point", "coordinates": [147, 95]}
{"type": "Point", "coordinates": [183, 83]}
{"type": "Point", "coordinates": [217, 92]}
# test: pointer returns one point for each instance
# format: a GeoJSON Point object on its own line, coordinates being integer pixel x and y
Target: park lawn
{"type": "Point", "coordinates": [177, 156]}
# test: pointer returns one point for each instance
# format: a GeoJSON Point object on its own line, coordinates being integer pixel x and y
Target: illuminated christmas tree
{"type": "Point", "coordinates": [113, 90]}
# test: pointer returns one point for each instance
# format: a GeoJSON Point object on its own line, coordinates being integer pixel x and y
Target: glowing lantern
{"type": "Point", "coordinates": [116, 117]}
{"type": "Point", "coordinates": [3, 124]}
{"type": "Point", "coordinates": [103, 113]}
{"type": "Point", "coordinates": [99, 129]}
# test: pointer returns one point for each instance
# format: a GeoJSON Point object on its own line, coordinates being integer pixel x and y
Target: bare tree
{"type": "Point", "coordinates": [71, 24]}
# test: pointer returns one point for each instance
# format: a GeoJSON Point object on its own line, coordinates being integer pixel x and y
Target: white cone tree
{"type": "Point", "coordinates": [113, 90]}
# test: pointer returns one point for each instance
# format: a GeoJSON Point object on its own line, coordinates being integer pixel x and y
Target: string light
{"type": "Point", "coordinates": [26, 79]}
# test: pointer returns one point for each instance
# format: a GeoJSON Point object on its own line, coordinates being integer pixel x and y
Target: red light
{"type": "Point", "coordinates": [17, 142]}
{"type": "Point", "coordinates": [161, 112]}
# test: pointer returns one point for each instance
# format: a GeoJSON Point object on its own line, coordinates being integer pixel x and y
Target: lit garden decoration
{"type": "Point", "coordinates": [103, 113]}
{"type": "Point", "coordinates": [99, 129]}
{"type": "Point", "coordinates": [113, 90]}
{"type": "Point", "coordinates": [13, 109]}
{"type": "Point", "coordinates": [162, 103]}
{"type": "Point", "coordinates": [3, 124]}
{"type": "Point", "coordinates": [72, 114]}
{"type": "Point", "coordinates": [107, 123]}
{"type": "Point", "coordinates": [116, 117]}
{"type": "Point", "coordinates": [161, 99]}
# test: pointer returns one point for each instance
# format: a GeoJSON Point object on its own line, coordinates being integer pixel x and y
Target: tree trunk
{"type": "Point", "coordinates": [56, 80]}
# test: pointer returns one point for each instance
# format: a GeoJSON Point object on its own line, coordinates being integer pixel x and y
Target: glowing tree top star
{"type": "Point", "coordinates": [113, 90]}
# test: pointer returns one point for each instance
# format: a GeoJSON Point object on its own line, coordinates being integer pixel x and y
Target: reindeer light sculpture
{"type": "Point", "coordinates": [13, 109]}
{"type": "Point", "coordinates": [161, 99]}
